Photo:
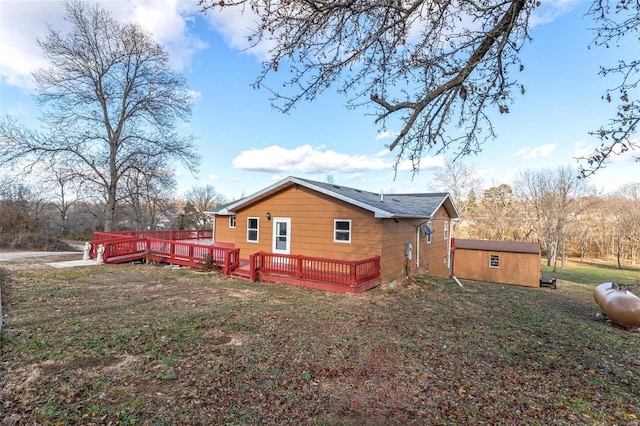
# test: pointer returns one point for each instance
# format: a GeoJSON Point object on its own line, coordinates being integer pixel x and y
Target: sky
{"type": "Point", "coordinates": [246, 145]}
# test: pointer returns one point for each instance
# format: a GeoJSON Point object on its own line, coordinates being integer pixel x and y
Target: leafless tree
{"type": "Point", "coordinates": [200, 199]}
{"type": "Point", "coordinates": [618, 25]}
{"type": "Point", "coordinates": [110, 103]}
{"type": "Point", "coordinates": [461, 180]}
{"type": "Point", "coordinates": [66, 190]}
{"type": "Point", "coordinates": [435, 66]}
{"type": "Point", "coordinates": [628, 224]}
{"type": "Point", "coordinates": [149, 194]}
{"type": "Point", "coordinates": [498, 216]}
{"type": "Point", "coordinates": [556, 197]}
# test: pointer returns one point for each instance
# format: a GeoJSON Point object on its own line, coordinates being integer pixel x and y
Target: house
{"type": "Point", "coordinates": [505, 262]}
{"type": "Point", "coordinates": [409, 232]}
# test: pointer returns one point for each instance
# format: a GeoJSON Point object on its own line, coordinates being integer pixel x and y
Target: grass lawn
{"type": "Point", "coordinates": [135, 344]}
{"type": "Point", "coordinates": [593, 272]}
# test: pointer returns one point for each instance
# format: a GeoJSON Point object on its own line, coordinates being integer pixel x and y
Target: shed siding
{"type": "Point", "coordinates": [312, 221]}
{"type": "Point", "coordinates": [515, 268]}
{"type": "Point", "coordinates": [224, 234]}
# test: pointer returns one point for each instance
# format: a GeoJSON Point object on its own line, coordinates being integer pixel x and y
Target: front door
{"type": "Point", "coordinates": [281, 235]}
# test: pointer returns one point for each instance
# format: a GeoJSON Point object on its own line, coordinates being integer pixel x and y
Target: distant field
{"type": "Point", "coordinates": [136, 344]}
{"type": "Point", "coordinates": [593, 272]}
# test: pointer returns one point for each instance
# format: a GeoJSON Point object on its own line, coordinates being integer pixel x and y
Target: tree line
{"type": "Point", "coordinates": [556, 207]}
{"type": "Point", "coordinates": [50, 203]}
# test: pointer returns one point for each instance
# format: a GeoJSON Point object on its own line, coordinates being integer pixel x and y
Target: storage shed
{"type": "Point", "coordinates": [504, 262]}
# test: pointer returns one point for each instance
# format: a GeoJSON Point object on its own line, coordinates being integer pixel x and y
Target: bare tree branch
{"type": "Point", "coordinates": [109, 104]}
{"type": "Point", "coordinates": [430, 66]}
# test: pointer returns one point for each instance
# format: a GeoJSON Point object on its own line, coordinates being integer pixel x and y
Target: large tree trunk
{"type": "Point", "coordinates": [110, 215]}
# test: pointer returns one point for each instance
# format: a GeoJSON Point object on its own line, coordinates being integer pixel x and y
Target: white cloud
{"type": "Point", "coordinates": [550, 10]}
{"type": "Point", "coordinates": [22, 23]}
{"type": "Point", "coordinates": [386, 135]}
{"type": "Point", "coordinates": [529, 153]}
{"type": "Point", "coordinates": [353, 176]}
{"type": "Point", "coordinates": [581, 149]}
{"type": "Point", "coordinates": [235, 25]}
{"type": "Point", "coordinates": [305, 159]}
{"type": "Point", "coordinates": [425, 163]}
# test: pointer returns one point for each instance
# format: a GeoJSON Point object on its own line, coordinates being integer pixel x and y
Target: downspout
{"type": "Point", "coordinates": [452, 258]}
{"type": "Point", "coordinates": [417, 247]}
{"type": "Point", "coordinates": [449, 254]}
{"type": "Point", "coordinates": [418, 242]}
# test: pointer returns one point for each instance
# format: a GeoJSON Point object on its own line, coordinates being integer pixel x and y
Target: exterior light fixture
{"type": "Point", "coordinates": [268, 216]}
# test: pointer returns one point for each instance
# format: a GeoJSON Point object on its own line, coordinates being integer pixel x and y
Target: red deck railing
{"type": "Point", "coordinates": [174, 235]}
{"type": "Point", "coordinates": [193, 254]}
{"type": "Point", "coordinates": [304, 269]}
{"type": "Point", "coordinates": [327, 274]}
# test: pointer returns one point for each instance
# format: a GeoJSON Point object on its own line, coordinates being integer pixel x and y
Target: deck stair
{"type": "Point", "coordinates": [242, 272]}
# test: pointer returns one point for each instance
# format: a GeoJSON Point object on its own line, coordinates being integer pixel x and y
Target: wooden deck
{"type": "Point", "coordinates": [198, 252]}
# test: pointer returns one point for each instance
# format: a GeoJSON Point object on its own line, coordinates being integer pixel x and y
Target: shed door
{"type": "Point", "coordinates": [281, 235]}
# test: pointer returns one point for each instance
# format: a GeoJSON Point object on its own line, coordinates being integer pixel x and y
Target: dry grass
{"type": "Point", "coordinates": [134, 344]}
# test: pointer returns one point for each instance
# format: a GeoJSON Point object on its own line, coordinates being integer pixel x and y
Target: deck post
{"type": "Point", "coordinates": [226, 263]}
{"type": "Point", "coordinates": [299, 267]}
{"type": "Point", "coordinates": [252, 267]}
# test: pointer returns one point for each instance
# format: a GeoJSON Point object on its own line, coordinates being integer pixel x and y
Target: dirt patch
{"type": "Point", "coordinates": [82, 363]}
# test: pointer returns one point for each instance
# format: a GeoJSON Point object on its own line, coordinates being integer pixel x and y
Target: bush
{"type": "Point", "coordinates": [33, 241]}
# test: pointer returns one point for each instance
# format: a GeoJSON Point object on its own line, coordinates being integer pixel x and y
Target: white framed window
{"type": "Point", "coordinates": [429, 234]}
{"type": "Point", "coordinates": [342, 231]}
{"type": "Point", "coordinates": [252, 229]}
{"type": "Point", "coordinates": [494, 261]}
{"type": "Point", "coordinates": [232, 221]}
{"type": "Point", "coordinates": [446, 230]}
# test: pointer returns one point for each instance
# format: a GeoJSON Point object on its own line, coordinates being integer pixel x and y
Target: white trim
{"type": "Point", "coordinates": [277, 220]}
{"type": "Point", "coordinates": [257, 229]}
{"type": "Point", "coordinates": [335, 221]}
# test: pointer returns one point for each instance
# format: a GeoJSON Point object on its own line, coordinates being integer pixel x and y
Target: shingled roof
{"type": "Point", "coordinates": [496, 246]}
{"type": "Point", "coordinates": [422, 205]}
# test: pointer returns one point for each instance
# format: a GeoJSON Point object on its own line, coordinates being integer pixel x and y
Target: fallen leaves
{"type": "Point", "coordinates": [114, 352]}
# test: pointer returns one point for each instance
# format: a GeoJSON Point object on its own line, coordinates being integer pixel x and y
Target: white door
{"type": "Point", "coordinates": [281, 235]}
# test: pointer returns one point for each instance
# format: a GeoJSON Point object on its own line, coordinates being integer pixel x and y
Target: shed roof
{"type": "Point", "coordinates": [421, 205]}
{"type": "Point", "coordinates": [503, 246]}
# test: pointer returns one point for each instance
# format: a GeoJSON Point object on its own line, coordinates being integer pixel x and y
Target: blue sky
{"type": "Point", "coordinates": [246, 145]}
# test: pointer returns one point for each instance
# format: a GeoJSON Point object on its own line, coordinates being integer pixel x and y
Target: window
{"type": "Point", "coordinates": [232, 221]}
{"type": "Point", "coordinates": [252, 229]}
{"type": "Point", "coordinates": [446, 230]}
{"type": "Point", "coordinates": [494, 261]}
{"type": "Point", "coordinates": [341, 231]}
{"type": "Point", "coordinates": [429, 234]}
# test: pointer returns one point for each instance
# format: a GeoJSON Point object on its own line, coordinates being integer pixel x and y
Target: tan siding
{"type": "Point", "coordinates": [312, 217]}
{"type": "Point", "coordinates": [396, 236]}
{"type": "Point", "coordinates": [515, 268]}
{"type": "Point", "coordinates": [437, 253]}
{"type": "Point", "coordinates": [224, 234]}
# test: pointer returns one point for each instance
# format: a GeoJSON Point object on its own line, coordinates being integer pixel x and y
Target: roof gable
{"type": "Point", "coordinates": [423, 205]}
